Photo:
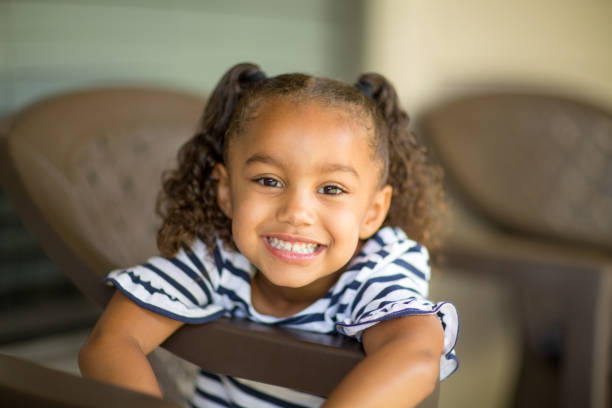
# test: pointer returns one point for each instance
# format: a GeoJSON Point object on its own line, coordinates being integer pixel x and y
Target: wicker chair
{"type": "Point", "coordinates": [534, 172]}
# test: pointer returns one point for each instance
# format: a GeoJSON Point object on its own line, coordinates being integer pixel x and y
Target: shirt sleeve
{"type": "Point", "coordinates": [396, 286]}
{"type": "Point", "coordinates": [181, 288]}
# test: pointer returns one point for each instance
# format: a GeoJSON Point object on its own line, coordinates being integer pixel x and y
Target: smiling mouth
{"type": "Point", "coordinates": [304, 248]}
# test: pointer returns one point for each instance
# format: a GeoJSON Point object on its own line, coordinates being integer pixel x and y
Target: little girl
{"type": "Point", "coordinates": [298, 203]}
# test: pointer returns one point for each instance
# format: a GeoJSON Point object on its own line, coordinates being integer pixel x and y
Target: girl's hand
{"type": "Point", "coordinates": [116, 349]}
{"type": "Point", "coordinates": [401, 366]}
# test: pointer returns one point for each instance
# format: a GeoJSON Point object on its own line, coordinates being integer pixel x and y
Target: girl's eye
{"type": "Point", "coordinates": [268, 182]}
{"type": "Point", "coordinates": [331, 189]}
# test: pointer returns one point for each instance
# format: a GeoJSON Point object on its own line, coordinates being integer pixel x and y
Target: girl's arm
{"type": "Point", "coordinates": [401, 366]}
{"type": "Point", "coordinates": [116, 349]}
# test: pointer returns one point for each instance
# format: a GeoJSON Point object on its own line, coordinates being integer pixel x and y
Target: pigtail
{"type": "Point", "coordinates": [222, 104]}
{"type": "Point", "coordinates": [187, 203]}
{"type": "Point", "coordinates": [417, 204]}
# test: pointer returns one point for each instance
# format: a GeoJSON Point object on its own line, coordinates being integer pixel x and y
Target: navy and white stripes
{"type": "Point", "coordinates": [214, 390]}
{"type": "Point", "coordinates": [387, 279]}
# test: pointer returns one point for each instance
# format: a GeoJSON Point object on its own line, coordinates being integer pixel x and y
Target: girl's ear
{"type": "Point", "coordinates": [377, 212]}
{"type": "Point", "coordinates": [224, 198]}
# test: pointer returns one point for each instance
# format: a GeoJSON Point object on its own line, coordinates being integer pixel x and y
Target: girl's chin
{"type": "Point", "coordinates": [299, 278]}
{"type": "Point", "coordinates": [283, 282]}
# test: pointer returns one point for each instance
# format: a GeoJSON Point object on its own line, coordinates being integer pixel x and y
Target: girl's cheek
{"type": "Point", "coordinates": [339, 218]}
{"type": "Point", "coordinates": [253, 206]}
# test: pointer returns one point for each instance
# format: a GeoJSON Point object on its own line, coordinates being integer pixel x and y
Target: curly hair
{"type": "Point", "coordinates": [187, 202]}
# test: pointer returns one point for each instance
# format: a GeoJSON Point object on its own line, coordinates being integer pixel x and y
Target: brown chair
{"type": "Point", "coordinates": [533, 174]}
{"type": "Point", "coordinates": [83, 170]}
{"type": "Point", "coordinates": [28, 385]}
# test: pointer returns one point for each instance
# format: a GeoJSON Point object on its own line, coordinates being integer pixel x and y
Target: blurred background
{"type": "Point", "coordinates": [433, 51]}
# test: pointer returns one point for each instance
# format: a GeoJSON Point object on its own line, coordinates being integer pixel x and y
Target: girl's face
{"type": "Point", "coordinates": [301, 187]}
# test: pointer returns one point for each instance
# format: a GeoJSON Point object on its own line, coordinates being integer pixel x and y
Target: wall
{"type": "Point", "coordinates": [47, 46]}
{"type": "Point", "coordinates": [433, 49]}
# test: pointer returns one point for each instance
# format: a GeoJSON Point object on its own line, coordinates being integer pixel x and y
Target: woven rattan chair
{"type": "Point", "coordinates": [535, 173]}
{"type": "Point", "coordinates": [83, 170]}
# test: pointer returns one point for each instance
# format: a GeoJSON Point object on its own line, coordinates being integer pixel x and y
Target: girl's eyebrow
{"type": "Point", "coordinates": [325, 168]}
{"type": "Point", "coordinates": [335, 167]}
{"type": "Point", "coordinates": [262, 158]}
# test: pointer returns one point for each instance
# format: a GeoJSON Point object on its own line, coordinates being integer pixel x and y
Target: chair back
{"type": "Point", "coordinates": [91, 163]}
{"type": "Point", "coordinates": [540, 165]}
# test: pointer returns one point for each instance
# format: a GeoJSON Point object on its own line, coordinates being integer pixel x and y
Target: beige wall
{"type": "Point", "coordinates": [432, 49]}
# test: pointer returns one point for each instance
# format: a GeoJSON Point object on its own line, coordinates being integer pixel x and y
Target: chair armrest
{"type": "Point", "coordinates": [305, 361]}
{"type": "Point", "coordinates": [26, 384]}
{"type": "Point", "coordinates": [571, 283]}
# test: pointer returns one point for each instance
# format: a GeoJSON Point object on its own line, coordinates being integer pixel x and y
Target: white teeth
{"type": "Point", "coordinates": [298, 247]}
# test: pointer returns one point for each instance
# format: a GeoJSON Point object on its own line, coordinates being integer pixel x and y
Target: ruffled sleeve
{"type": "Point", "coordinates": [181, 288]}
{"type": "Point", "coordinates": [392, 281]}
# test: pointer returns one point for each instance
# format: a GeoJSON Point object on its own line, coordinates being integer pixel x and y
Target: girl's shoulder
{"type": "Point", "coordinates": [391, 245]}
{"type": "Point", "coordinates": [387, 258]}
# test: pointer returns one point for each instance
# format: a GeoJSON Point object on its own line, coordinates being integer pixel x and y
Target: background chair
{"type": "Point", "coordinates": [531, 178]}
{"type": "Point", "coordinates": [83, 170]}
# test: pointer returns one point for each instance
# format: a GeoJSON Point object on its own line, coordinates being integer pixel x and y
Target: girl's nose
{"type": "Point", "coordinates": [296, 209]}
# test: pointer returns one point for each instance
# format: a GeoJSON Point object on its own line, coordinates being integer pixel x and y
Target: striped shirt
{"type": "Point", "coordinates": [388, 278]}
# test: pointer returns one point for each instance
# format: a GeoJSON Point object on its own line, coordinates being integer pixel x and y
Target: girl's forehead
{"type": "Point", "coordinates": [303, 133]}
{"type": "Point", "coordinates": [343, 112]}
{"type": "Point", "coordinates": [300, 122]}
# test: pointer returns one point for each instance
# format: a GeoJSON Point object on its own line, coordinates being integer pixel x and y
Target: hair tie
{"type": "Point", "coordinates": [366, 88]}
{"type": "Point", "coordinates": [256, 77]}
